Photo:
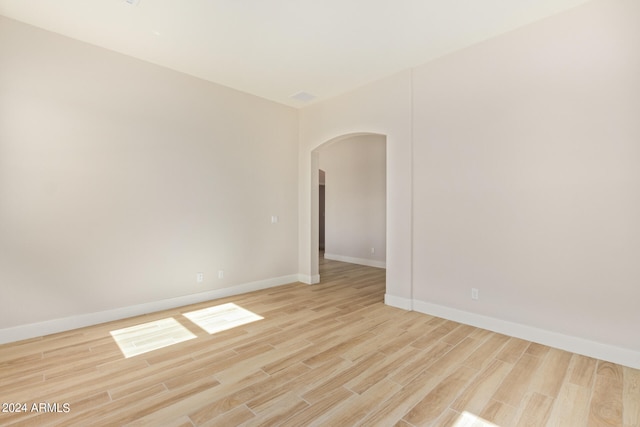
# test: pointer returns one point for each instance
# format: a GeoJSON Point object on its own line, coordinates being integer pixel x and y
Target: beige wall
{"type": "Point", "coordinates": [120, 180]}
{"type": "Point", "coordinates": [525, 179]}
{"type": "Point", "coordinates": [355, 220]}
{"type": "Point", "coordinates": [529, 179]}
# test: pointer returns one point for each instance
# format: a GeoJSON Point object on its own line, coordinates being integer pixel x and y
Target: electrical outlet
{"type": "Point", "coordinates": [475, 293]}
{"type": "Point", "coordinates": [199, 277]}
{"type": "Point", "coordinates": [373, 250]}
{"type": "Point", "coordinates": [220, 274]}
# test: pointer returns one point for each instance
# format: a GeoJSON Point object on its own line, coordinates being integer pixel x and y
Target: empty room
{"type": "Point", "coordinates": [288, 213]}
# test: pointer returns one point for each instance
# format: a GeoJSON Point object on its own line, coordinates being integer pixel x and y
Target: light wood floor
{"type": "Point", "coordinates": [331, 354]}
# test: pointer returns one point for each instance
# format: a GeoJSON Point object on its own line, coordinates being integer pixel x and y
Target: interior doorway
{"type": "Point", "coordinates": [321, 211]}
{"type": "Point", "coordinates": [351, 200]}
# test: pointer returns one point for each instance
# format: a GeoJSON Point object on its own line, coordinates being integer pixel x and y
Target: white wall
{"type": "Point", "coordinates": [119, 180]}
{"type": "Point", "coordinates": [529, 180]}
{"type": "Point", "coordinates": [355, 212]}
{"type": "Point", "coordinates": [525, 180]}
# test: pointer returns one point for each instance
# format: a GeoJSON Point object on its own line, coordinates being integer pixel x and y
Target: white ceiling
{"type": "Point", "coordinates": [277, 48]}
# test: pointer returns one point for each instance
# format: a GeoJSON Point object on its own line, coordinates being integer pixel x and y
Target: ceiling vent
{"type": "Point", "coordinates": [303, 96]}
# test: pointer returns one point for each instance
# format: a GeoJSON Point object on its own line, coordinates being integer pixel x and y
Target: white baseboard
{"type": "Point", "coordinates": [309, 280]}
{"type": "Point", "coordinates": [398, 302]}
{"type": "Point", "coordinates": [610, 353]}
{"type": "Point", "coordinates": [360, 261]}
{"type": "Point", "coordinates": [32, 330]}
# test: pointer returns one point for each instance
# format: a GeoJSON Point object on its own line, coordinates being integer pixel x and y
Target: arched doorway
{"type": "Point", "coordinates": [358, 196]}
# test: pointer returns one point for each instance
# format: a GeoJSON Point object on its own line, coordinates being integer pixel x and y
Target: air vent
{"type": "Point", "coordinates": [303, 96]}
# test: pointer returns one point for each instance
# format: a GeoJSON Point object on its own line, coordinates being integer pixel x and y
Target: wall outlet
{"type": "Point", "coordinates": [199, 277]}
{"type": "Point", "coordinates": [220, 274]}
{"type": "Point", "coordinates": [475, 293]}
{"type": "Point", "coordinates": [373, 250]}
{"type": "Point", "coordinates": [274, 219]}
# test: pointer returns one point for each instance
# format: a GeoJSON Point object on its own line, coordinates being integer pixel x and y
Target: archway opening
{"type": "Point", "coordinates": [355, 187]}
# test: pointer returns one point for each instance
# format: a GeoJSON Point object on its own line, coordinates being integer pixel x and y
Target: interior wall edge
{"type": "Point", "coordinates": [398, 302]}
{"type": "Point", "coordinates": [309, 279]}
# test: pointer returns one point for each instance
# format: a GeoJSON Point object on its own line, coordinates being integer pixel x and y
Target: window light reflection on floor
{"type": "Point", "coordinates": [467, 419]}
{"type": "Point", "coordinates": [150, 336]}
{"type": "Point", "coordinates": [221, 317]}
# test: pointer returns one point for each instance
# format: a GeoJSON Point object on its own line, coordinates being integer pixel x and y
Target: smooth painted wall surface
{"type": "Point", "coordinates": [527, 177]}
{"type": "Point", "coordinates": [355, 198]}
{"type": "Point", "coordinates": [120, 180]}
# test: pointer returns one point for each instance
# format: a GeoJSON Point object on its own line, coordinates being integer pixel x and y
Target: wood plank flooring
{"type": "Point", "coordinates": [328, 355]}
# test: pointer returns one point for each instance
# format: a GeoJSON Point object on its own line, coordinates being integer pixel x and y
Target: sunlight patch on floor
{"type": "Point", "coordinates": [150, 336]}
{"type": "Point", "coordinates": [221, 317]}
{"type": "Point", "coordinates": [467, 419]}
